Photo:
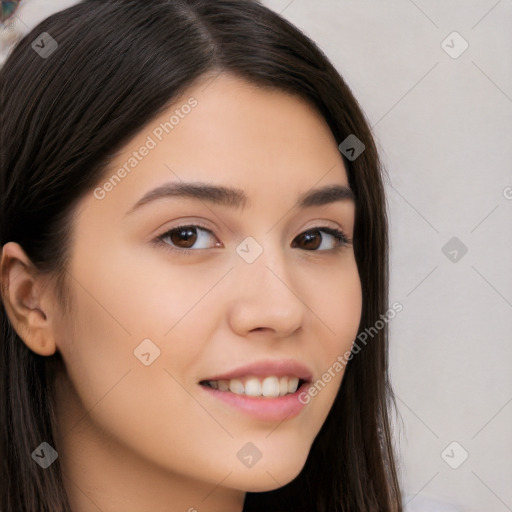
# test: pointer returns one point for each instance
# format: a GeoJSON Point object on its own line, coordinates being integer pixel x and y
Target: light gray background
{"type": "Point", "coordinates": [444, 129]}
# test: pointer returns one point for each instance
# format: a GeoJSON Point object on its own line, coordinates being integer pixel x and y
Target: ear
{"type": "Point", "coordinates": [27, 300]}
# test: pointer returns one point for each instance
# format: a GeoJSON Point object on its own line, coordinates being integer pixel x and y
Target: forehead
{"type": "Point", "coordinates": [230, 132]}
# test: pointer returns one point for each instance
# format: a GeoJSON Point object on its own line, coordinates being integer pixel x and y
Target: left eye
{"type": "Point", "coordinates": [311, 237]}
{"type": "Point", "coordinates": [183, 239]}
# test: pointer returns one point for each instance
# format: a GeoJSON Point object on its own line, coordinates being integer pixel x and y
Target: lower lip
{"type": "Point", "coordinates": [262, 408]}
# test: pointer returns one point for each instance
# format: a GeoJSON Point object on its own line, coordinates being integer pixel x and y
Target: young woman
{"type": "Point", "coordinates": [194, 248]}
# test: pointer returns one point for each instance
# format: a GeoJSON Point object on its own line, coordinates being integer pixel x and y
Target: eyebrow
{"type": "Point", "coordinates": [236, 198]}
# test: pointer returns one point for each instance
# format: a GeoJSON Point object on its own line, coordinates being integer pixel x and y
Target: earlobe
{"type": "Point", "coordinates": [26, 300]}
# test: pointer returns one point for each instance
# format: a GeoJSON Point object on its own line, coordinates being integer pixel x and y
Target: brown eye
{"type": "Point", "coordinates": [312, 239]}
{"type": "Point", "coordinates": [187, 237]}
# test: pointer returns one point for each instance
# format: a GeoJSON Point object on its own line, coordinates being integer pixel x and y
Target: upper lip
{"type": "Point", "coordinates": [278, 368]}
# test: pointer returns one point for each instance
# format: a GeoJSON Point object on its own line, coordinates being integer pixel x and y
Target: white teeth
{"type": "Point", "coordinates": [252, 387]}
{"type": "Point", "coordinates": [236, 386]}
{"type": "Point", "coordinates": [283, 386]}
{"type": "Point", "coordinates": [270, 387]}
{"type": "Point", "coordinates": [293, 384]}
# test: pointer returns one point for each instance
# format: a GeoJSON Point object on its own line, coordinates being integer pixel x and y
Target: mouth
{"type": "Point", "coordinates": [271, 386]}
{"type": "Point", "coordinates": [266, 390]}
{"type": "Point", "coordinates": [270, 399]}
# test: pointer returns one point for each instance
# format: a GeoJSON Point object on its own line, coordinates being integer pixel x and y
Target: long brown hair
{"type": "Point", "coordinates": [118, 65]}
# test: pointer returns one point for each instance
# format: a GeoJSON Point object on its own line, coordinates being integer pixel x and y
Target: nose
{"type": "Point", "coordinates": [265, 296]}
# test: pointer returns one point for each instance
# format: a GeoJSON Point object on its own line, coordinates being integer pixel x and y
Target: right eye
{"type": "Point", "coordinates": [183, 238]}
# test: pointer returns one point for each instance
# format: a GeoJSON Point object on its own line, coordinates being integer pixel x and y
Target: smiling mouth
{"type": "Point", "coordinates": [267, 387]}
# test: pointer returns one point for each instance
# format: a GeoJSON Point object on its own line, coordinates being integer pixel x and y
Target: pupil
{"type": "Point", "coordinates": [310, 237]}
{"type": "Point", "coordinates": [186, 234]}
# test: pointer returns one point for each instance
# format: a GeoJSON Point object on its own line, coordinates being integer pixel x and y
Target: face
{"type": "Point", "coordinates": [185, 305]}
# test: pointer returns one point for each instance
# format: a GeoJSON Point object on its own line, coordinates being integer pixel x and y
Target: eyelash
{"type": "Point", "coordinates": [338, 234]}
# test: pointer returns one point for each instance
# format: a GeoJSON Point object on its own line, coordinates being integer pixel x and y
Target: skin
{"type": "Point", "coordinates": [134, 437]}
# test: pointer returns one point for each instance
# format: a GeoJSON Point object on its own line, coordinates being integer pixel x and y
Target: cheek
{"type": "Point", "coordinates": [119, 304]}
{"type": "Point", "coordinates": [339, 300]}
{"type": "Point", "coordinates": [127, 293]}
{"type": "Point", "coordinates": [152, 294]}
{"type": "Point", "coordinates": [121, 301]}
{"type": "Point", "coordinates": [145, 408]}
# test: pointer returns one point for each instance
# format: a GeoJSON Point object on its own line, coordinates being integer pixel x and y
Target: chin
{"type": "Point", "coordinates": [269, 477]}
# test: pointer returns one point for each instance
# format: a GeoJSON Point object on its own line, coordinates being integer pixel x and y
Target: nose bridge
{"type": "Point", "coordinates": [261, 260]}
{"type": "Point", "coordinates": [265, 293]}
